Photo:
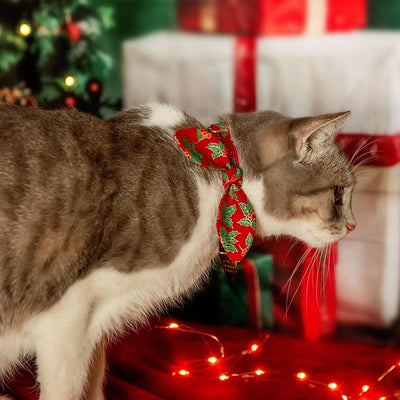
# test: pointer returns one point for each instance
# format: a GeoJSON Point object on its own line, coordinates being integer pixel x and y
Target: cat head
{"type": "Point", "coordinates": [299, 182]}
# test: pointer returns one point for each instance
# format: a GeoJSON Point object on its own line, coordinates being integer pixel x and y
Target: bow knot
{"type": "Point", "coordinates": [214, 149]}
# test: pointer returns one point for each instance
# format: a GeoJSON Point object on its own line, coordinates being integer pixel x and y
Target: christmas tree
{"type": "Point", "coordinates": [49, 47]}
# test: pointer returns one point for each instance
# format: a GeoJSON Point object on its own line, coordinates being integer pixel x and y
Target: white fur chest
{"type": "Point", "coordinates": [107, 300]}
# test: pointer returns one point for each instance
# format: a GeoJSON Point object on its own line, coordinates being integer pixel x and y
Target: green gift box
{"type": "Point", "coordinates": [384, 14]}
{"type": "Point", "coordinates": [244, 300]}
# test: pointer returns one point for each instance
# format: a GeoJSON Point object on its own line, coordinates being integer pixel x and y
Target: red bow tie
{"type": "Point", "coordinates": [215, 150]}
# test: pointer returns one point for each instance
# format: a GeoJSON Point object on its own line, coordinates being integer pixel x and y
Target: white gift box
{"type": "Point", "coordinates": [296, 76]}
{"type": "Point", "coordinates": [300, 76]}
{"type": "Point", "coordinates": [368, 271]}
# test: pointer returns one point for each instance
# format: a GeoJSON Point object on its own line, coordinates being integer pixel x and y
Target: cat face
{"type": "Point", "coordinates": [298, 180]}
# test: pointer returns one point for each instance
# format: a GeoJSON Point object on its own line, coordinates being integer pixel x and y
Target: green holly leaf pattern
{"type": "Point", "coordinates": [233, 194]}
{"type": "Point", "coordinates": [246, 208]}
{"type": "Point", "coordinates": [238, 172]}
{"type": "Point", "coordinates": [227, 213]}
{"type": "Point", "coordinates": [224, 176]}
{"type": "Point", "coordinates": [224, 132]}
{"type": "Point", "coordinates": [229, 239]}
{"type": "Point", "coordinates": [217, 149]}
{"type": "Point", "coordinates": [249, 241]}
{"type": "Point", "coordinates": [245, 222]}
{"type": "Point", "coordinates": [195, 155]}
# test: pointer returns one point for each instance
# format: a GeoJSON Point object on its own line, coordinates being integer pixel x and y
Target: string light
{"type": "Point", "coordinates": [332, 386]}
{"type": "Point", "coordinates": [259, 372]}
{"type": "Point", "coordinates": [365, 388]}
{"type": "Point", "coordinates": [301, 375]}
{"type": "Point", "coordinates": [70, 81]}
{"type": "Point", "coordinates": [202, 363]}
{"type": "Point", "coordinates": [254, 347]}
{"type": "Point", "coordinates": [25, 29]}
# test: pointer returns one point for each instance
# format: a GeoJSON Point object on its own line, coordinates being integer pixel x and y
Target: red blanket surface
{"type": "Point", "coordinates": [140, 366]}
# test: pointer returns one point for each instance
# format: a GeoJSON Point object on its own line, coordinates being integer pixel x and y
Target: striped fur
{"type": "Point", "coordinates": [106, 222]}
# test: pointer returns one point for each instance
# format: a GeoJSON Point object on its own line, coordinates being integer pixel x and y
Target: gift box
{"type": "Point", "coordinates": [271, 17]}
{"type": "Point", "coordinates": [384, 14]}
{"type": "Point", "coordinates": [304, 287]}
{"type": "Point", "coordinates": [369, 260]}
{"type": "Point", "coordinates": [297, 76]}
{"type": "Point", "coordinates": [244, 300]}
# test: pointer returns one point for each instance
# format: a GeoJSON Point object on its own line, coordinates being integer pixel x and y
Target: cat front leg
{"type": "Point", "coordinates": [64, 349]}
{"type": "Point", "coordinates": [94, 390]}
{"type": "Point", "coordinates": [63, 367]}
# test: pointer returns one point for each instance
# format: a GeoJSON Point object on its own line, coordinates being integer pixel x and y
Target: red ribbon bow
{"type": "Point", "coordinates": [215, 150]}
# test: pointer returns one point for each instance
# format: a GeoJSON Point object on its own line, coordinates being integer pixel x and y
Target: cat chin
{"type": "Point", "coordinates": [321, 240]}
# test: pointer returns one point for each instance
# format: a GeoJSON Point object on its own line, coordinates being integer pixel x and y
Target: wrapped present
{"type": "Point", "coordinates": [369, 261]}
{"type": "Point", "coordinates": [297, 76]}
{"type": "Point", "coordinates": [304, 287]}
{"type": "Point", "coordinates": [384, 14]}
{"type": "Point", "coordinates": [271, 17]}
{"type": "Point", "coordinates": [245, 300]}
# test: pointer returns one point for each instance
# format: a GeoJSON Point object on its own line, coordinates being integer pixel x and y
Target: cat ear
{"type": "Point", "coordinates": [313, 134]}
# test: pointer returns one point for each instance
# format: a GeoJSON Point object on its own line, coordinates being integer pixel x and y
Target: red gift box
{"type": "Point", "coordinates": [305, 287]}
{"type": "Point", "coordinates": [271, 17]}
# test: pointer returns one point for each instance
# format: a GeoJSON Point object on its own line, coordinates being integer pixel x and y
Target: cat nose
{"type": "Point", "coordinates": [350, 227]}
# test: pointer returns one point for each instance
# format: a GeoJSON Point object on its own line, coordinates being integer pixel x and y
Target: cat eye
{"type": "Point", "coordinates": [339, 191]}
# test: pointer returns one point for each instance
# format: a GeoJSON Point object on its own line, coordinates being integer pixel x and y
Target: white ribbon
{"type": "Point", "coordinates": [316, 16]}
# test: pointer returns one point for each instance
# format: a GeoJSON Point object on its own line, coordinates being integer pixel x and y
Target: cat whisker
{"type": "Point", "coordinates": [299, 263]}
{"type": "Point", "coordinates": [366, 142]}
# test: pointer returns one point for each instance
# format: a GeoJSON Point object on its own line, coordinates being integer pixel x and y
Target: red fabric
{"type": "Point", "coordinates": [140, 367]}
{"type": "Point", "coordinates": [368, 149]}
{"type": "Point", "coordinates": [245, 74]}
{"type": "Point", "coordinates": [344, 15]}
{"type": "Point", "coordinates": [214, 150]}
{"type": "Point", "coordinates": [267, 17]}
{"type": "Point", "coordinates": [318, 293]}
{"type": "Point", "coordinates": [303, 301]}
{"type": "Point", "coordinates": [253, 293]}
{"type": "Point", "coordinates": [279, 17]}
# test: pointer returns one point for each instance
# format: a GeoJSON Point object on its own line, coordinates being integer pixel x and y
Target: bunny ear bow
{"type": "Point", "coordinates": [214, 149]}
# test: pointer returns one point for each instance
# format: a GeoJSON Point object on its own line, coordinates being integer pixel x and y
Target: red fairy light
{"type": "Point", "coordinates": [259, 372]}
{"type": "Point", "coordinates": [301, 375]}
{"type": "Point", "coordinates": [254, 347]}
{"type": "Point", "coordinates": [332, 386]}
{"type": "Point", "coordinates": [197, 365]}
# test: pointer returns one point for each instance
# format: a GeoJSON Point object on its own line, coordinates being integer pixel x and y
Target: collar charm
{"type": "Point", "coordinates": [214, 149]}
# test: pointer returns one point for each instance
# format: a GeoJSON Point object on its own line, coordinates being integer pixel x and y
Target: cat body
{"type": "Point", "coordinates": [106, 222]}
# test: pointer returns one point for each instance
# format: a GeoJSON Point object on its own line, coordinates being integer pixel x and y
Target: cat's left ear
{"type": "Point", "coordinates": [313, 134]}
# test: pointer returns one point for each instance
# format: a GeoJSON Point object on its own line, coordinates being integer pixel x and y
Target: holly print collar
{"type": "Point", "coordinates": [214, 149]}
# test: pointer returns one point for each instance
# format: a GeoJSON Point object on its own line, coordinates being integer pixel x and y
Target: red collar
{"type": "Point", "coordinates": [214, 149]}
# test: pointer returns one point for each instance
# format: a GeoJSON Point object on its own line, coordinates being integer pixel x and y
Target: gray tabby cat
{"type": "Point", "coordinates": [106, 222]}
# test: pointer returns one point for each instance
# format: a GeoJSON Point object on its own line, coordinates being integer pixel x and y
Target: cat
{"type": "Point", "coordinates": [105, 222]}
